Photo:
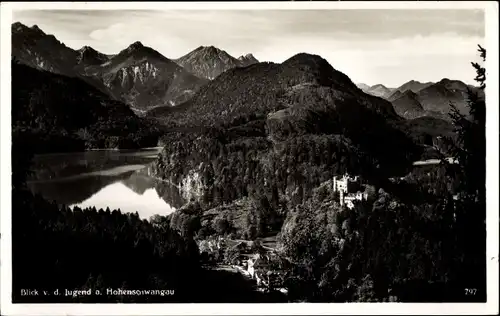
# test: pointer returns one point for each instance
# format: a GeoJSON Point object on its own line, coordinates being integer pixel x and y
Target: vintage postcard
{"type": "Point", "coordinates": [249, 158]}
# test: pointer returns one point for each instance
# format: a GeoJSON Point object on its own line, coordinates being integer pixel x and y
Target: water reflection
{"type": "Point", "coordinates": [118, 180]}
{"type": "Point", "coordinates": [119, 196]}
{"type": "Point", "coordinates": [59, 166]}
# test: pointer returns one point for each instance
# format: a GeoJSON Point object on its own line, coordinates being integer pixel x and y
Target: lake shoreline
{"type": "Point", "coordinates": [97, 150]}
{"type": "Point", "coordinates": [123, 149]}
{"type": "Point", "coordinates": [111, 172]}
{"type": "Point", "coordinates": [101, 179]}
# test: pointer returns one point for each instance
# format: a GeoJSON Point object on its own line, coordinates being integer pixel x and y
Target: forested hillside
{"type": "Point", "coordinates": [270, 127]}
{"type": "Point", "coordinates": [411, 242]}
{"type": "Point", "coordinates": [60, 113]}
{"type": "Point", "coordinates": [256, 161]}
{"type": "Point", "coordinates": [257, 141]}
{"type": "Point", "coordinates": [89, 255]}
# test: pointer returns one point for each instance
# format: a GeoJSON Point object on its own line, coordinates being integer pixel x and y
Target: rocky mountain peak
{"type": "Point", "coordinates": [37, 29]}
{"type": "Point", "coordinates": [20, 28]}
{"type": "Point", "coordinates": [90, 56]}
{"type": "Point", "coordinates": [247, 59]}
{"type": "Point", "coordinates": [212, 48]}
{"type": "Point", "coordinates": [135, 46]}
{"type": "Point", "coordinates": [85, 48]}
{"type": "Point", "coordinates": [208, 61]}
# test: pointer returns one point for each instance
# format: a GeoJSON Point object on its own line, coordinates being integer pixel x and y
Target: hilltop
{"type": "Point", "coordinates": [209, 62]}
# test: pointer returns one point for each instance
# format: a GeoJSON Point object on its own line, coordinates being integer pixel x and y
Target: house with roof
{"type": "Point", "coordinates": [260, 269]}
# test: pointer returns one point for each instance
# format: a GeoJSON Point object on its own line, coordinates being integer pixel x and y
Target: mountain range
{"type": "Point", "coordinates": [412, 85]}
{"type": "Point", "coordinates": [304, 95]}
{"type": "Point", "coordinates": [32, 47]}
{"type": "Point", "coordinates": [144, 78]}
{"type": "Point", "coordinates": [138, 75]}
{"type": "Point", "coordinates": [271, 89]}
{"type": "Point", "coordinates": [209, 87]}
{"type": "Point", "coordinates": [416, 99]}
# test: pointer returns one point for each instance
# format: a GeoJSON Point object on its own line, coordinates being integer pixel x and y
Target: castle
{"type": "Point", "coordinates": [349, 189]}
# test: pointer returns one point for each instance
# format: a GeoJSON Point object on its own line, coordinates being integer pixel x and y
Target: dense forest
{"type": "Point", "coordinates": [56, 113]}
{"type": "Point", "coordinates": [56, 248]}
{"type": "Point", "coordinates": [422, 239]}
{"type": "Point", "coordinates": [314, 125]}
{"type": "Point", "coordinates": [408, 242]}
{"type": "Point", "coordinates": [247, 166]}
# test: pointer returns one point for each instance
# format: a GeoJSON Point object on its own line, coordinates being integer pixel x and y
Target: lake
{"type": "Point", "coordinates": [105, 178]}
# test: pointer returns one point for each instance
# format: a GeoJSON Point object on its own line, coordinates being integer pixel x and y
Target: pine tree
{"type": "Point", "coordinates": [470, 207]}
{"type": "Point", "coordinates": [470, 146]}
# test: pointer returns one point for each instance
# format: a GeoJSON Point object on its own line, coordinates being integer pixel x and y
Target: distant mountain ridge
{"type": "Point", "coordinates": [363, 86]}
{"type": "Point", "coordinates": [437, 97]}
{"type": "Point", "coordinates": [378, 90]}
{"type": "Point", "coordinates": [209, 62]}
{"type": "Point", "coordinates": [138, 75]}
{"type": "Point", "coordinates": [432, 99]}
{"type": "Point", "coordinates": [407, 105]}
{"type": "Point", "coordinates": [144, 78]}
{"type": "Point", "coordinates": [37, 49]}
{"type": "Point", "coordinates": [415, 99]}
{"type": "Point", "coordinates": [412, 85]}
{"type": "Point", "coordinates": [247, 60]}
{"type": "Point", "coordinates": [33, 47]}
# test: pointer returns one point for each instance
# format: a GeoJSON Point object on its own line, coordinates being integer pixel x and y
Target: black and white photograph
{"type": "Point", "coordinates": [278, 153]}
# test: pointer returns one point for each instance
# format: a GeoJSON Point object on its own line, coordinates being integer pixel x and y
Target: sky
{"type": "Point", "coordinates": [383, 46]}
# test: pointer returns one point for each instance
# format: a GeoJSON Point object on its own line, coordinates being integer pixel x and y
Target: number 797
{"type": "Point", "coordinates": [470, 291]}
